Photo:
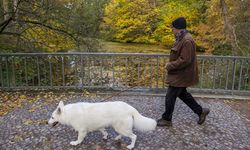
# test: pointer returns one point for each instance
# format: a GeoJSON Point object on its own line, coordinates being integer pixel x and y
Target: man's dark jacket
{"type": "Point", "coordinates": [182, 67]}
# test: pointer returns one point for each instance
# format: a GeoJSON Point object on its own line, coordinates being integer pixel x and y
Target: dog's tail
{"type": "Point", "coordinates": [143, 123]}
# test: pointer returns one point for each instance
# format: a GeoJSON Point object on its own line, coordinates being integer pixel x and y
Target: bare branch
{"type": "Point", "coordinates": [4, 24]}
{"type": "Point", "coordinates": [11, 33]}
{"type": "Point", "coordinates": [50, 27]}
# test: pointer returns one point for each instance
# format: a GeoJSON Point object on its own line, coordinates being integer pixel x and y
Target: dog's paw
{"type": "Point", "coordinates": [74, 143]}
{"type": "Point", "coordinates": [118, 137]}
{"type": "Point", "coordinates": [105, 137]}
{"type": "Point", "coordinates": [130, 146]}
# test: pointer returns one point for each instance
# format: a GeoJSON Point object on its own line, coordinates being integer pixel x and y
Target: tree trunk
{"type": "Point", "coordinates": [6, 9]}
{"type": "Point", "coordinates": [229, 29]}
{"type": "Point", "coordinates": [15, 4]}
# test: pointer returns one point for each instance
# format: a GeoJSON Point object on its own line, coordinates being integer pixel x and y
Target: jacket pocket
{"type": "Point", "coordinates": [173, 54]}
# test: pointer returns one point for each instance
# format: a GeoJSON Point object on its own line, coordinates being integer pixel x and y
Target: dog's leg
{"type": "Point", "coordinates": [133, 139]}
{"type": "Point", "coordinates": [125, 128]}
{"type": "Point", "coordinates": [118, 137]}
{"type": "Point", "coordinates": [81, 135]}
{"type": "Point", "coordinates": [105, 133]}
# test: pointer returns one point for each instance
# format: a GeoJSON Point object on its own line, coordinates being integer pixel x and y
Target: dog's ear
{"type": "Point", "coordinates": [60, 105]}
{"type": "Point", "coordinates": [59, 110]}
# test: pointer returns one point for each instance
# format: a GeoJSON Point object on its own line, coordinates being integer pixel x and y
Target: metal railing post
{"type": "Point", "coordinates": [1, 73]}
{"type": "Point", "coordinates": [234, 71]}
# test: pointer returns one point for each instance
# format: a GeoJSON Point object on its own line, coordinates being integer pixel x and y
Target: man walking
{"type": "Point", "coordinates": [182, 72]}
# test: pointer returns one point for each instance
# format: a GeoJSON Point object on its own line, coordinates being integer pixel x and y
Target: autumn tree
{"type": "Point", "coordinates": [146, 21]}
{"type": "Point", "coordinates": [131, 20]}
{"type": "Point", "coordinates": [224, 31]}
{"type": "Point", "coordinates": [169, 11]}
{"type": "Point", "coordinates": [50, 25]}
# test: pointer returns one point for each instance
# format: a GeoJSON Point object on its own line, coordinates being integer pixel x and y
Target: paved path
{"type": "Point", "coordinates": [26, 128]}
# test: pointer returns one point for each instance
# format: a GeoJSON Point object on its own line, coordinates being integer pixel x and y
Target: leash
{"type": "Point", "coordinates": [116, 94]}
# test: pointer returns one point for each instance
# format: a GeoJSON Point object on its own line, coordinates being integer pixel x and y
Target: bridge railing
{"type": "Point", "coordinates": [228, 74]}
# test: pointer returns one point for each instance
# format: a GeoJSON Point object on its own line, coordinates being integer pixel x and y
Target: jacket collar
{"type": "Point", "coordinates": [179, 36]}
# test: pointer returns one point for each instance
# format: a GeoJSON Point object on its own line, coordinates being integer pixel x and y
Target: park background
{"type": "Point", "coordinates": [219, 27]}
{"type": "Point", "coordinates": [53, 50]}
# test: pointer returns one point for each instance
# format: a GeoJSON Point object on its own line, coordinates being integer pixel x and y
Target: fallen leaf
{"type": "Point", "coordinates": [23, 97]}
{"type": "Point", "coordinates": [28, 122]}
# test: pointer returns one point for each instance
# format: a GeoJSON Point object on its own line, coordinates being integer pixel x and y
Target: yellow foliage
{"type": "Point", "coordinates": [22, 97]}
{"type": "Point", "coordinates": [130, 20]}
{"type": "Point", "coordinates": [138, 21]}
{"type": "Point", "coordinates": [171, 11]}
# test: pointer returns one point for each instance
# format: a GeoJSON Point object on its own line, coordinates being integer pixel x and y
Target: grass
{"type": "Point", "coordinates": [116, 47]}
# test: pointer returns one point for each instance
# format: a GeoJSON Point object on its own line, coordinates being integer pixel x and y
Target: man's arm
{"type": "Point", "coordinates": [184, 59]}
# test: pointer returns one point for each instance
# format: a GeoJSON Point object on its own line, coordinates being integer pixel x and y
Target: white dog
{"type": "Point", "coordinates": [87, 117]}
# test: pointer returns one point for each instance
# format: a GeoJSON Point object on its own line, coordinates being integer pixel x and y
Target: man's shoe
{"type": "Point", "coordinates": [162, 122]}
{"type": "Point", "coordinates": [202, 117]}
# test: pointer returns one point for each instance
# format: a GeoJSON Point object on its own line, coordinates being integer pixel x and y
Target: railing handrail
{"type": "Point", "coordinates": [117, 54]}
{"type": "Point", "coordinates": [82, 53]}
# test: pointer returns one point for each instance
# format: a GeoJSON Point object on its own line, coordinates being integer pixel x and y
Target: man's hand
{"type": "Point", "coordinates": [166, 66]}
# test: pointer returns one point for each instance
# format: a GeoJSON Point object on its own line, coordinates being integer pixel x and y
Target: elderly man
{"type": "Point", "coordinates": [182, 72]}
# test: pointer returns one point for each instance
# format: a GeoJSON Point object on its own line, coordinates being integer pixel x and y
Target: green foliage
{"type": "Point", "coordinates": [222, 49]}
{"type": "Point", "coordinates": [242, 23]}
{"type": "Point", "coordinates": [51, 26]}
{"type": "Point", "coordinates": [49, 40]}
{"type": "Point", "coordinates": [87, 16]}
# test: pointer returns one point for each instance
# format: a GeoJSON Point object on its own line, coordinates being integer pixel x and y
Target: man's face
{"type": "Point", "coordinates": [175, 31]}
